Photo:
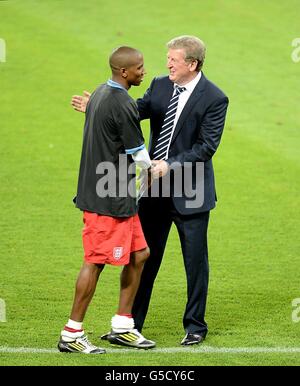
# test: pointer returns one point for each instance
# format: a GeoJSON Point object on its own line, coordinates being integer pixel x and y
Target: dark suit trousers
{"type": "Point", "coordinates": [157, 216]}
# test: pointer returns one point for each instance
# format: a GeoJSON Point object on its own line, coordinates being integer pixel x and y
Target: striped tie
{"type": "Point", "coordinates": [163, 141]}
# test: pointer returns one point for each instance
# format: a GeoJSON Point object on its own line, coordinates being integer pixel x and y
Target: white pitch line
{"type": "Point", "coordinates": [167, 350]}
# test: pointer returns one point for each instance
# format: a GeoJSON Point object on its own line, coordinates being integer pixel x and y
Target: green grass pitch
{"type": "Point", "coordinates": [58, 48]}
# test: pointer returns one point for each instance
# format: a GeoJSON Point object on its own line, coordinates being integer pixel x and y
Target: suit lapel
{"type": "Point", "coordinates": [195, 96]}
{"type": "Point", "coordinates": [167, 97]}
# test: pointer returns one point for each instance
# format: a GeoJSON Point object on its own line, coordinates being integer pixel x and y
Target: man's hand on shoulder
{"type": "Point", "coordinates": [79, 102]}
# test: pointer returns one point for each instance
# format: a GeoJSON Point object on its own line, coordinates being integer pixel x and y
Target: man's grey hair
{"type": "Point", "coordinates": [194, 48]}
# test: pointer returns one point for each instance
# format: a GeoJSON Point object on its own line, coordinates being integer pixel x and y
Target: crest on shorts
{"type": "Point", "coordinates": [117, 253]}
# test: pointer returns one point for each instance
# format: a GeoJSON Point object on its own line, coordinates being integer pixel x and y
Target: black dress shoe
{"type": "Point", "coordinates": [190, 339]}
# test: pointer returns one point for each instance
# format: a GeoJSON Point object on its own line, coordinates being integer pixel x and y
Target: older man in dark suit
{"type": "Point", "coordinates": [187, 115]}
{"type": "Point", "coordinates": [194, 138]}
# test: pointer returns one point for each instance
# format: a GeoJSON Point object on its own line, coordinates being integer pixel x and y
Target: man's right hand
{"type": "Point", "coordinates": [79, 102]}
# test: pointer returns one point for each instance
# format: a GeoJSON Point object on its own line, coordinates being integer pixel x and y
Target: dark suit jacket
{"type": "Point", "coordinates": [196, 137]}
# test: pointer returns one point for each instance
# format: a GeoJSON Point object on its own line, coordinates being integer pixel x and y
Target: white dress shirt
{"type": "Point", "coordinates": [183, 98]}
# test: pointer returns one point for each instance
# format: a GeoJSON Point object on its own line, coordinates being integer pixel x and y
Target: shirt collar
{"type": "Point", "coordinates": [114, 84]}
{"type": "Point", "coordinates": [192, 84]}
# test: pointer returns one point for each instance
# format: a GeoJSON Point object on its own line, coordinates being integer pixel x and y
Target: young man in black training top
{"type": "Point", "coordinates": [112, 232]}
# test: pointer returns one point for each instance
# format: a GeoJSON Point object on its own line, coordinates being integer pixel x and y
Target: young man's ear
{"type": "Point", "coordinates": [123, 72]}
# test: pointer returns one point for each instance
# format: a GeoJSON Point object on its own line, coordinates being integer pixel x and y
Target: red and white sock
{"type": "Point", "coordinates": [72, 324]}
{"type": "Point", "coordinates": [72, 330]}
{"type": "Point", "coordinates": [122, 323]}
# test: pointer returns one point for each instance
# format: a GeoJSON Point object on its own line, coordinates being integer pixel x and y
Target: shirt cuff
{"type": "Point", "coordinates": [142, 159]}
{"type": "Point", "coordinates": [135, 149]}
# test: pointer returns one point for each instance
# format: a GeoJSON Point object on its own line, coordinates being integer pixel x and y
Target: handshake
{"type": "Point", "coordinates": [159, 168]}
{"type": "Point", "coordinates": [146, 176]}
